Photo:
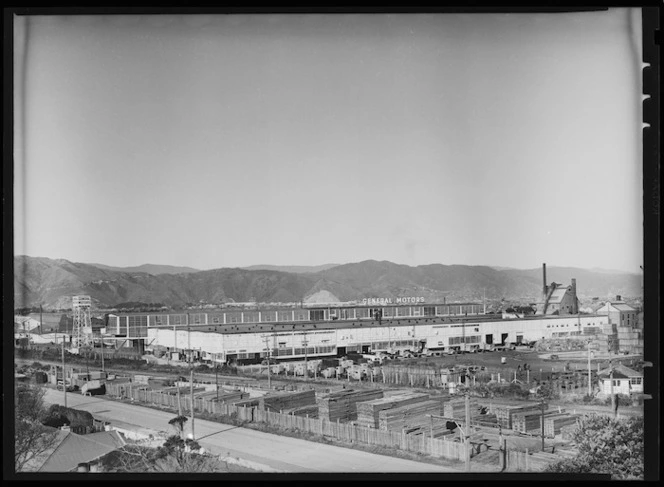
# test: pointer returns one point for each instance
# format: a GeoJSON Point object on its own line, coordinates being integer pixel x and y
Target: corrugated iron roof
{"type": "Point", "coordinates": [619, 372]}
{"type": "Point", "coordinates": [74, 449]}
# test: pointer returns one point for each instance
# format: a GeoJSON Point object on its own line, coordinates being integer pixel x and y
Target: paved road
{"type": "Point", "coordinates": [273, 452]}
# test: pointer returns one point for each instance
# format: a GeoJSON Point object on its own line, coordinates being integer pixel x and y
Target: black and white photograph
{"type": "Point", "coordinates": [332, 242]}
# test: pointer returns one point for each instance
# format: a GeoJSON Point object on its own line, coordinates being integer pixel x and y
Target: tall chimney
{"type": "Point", "coordinates": [544, 278]}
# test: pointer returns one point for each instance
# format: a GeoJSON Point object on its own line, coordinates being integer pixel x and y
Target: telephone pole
{"type": "Point", "coordinates": [542, 406]}
{"type": "Point", "coordinates": [64, 380]}
{"type": "Point", "coordinates": [267, 348]}
{"type": "Point", "coordinates": [590, 387]}
{"type": "Point", "coordinates": [191, 391]}
{"type": "Point", "coordinates": [306, 344]}
{"type": "Point", "coordinates": [467, 433]}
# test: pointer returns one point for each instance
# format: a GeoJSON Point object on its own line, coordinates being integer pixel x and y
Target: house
{"type": "Point", "coordinates": [24, 324]}
{"type": "Point", "coordinates": [623, 381]}
{"type": "Point", "coordinates": [71, 450]}
{"type": "Point", "coordinates": [620, 313]}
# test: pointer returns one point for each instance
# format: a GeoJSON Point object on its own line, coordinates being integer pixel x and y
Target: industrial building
{"type": "Point", "coordinates": [203, 335]}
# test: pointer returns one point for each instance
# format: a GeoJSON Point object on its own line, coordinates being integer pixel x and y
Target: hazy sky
{"type": "Point", "coordinates": [233, 140]}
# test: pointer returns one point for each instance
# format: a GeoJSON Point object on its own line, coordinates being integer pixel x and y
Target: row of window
{"type": "Point", "coordinates": [460, 340]}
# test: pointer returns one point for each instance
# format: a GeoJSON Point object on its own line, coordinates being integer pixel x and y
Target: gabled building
{"type": "Point", "coordinates": [623, 380]}
{"type": "Point", "coordinates": [620, 313]}
{"type": "Point", "coordinates": [72, 450]}
{"type": "Point", "coordinates": [557, 299]}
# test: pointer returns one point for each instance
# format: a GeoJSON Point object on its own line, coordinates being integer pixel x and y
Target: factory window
{"type": "Point", "coordinates": [317, 314]}
{"type": "Point", "coordinates": [429, 311]}
{"type": "Point", "coordinates": [282, 344]}
{"type": "Point", "coordinates": [285, 315]}
{"type": "Point", "coordinates": [301, 315]}
{"type": "Point", "coordinates": [178, 320]}
{"type": "Point", "coordinates": [268, 316]}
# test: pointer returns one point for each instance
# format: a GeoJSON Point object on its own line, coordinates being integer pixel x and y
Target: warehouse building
{"type": "Point", "coordinates": [298, 333]}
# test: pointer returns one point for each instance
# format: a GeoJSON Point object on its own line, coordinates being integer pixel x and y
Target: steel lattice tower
{"type": "Point", "coordinates": [82, 331]}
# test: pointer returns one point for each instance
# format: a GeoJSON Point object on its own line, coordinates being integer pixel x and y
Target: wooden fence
{"type": "Point", "coordinates": [424, 444]}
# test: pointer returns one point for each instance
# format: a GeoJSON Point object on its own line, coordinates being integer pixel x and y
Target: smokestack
{"type": "Point", "coordinates": [544, 278]}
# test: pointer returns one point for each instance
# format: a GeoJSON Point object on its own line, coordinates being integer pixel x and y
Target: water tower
{"type": "Point", "coordinates": [82, 330]}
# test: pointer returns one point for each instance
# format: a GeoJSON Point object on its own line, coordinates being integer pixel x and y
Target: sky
{"type": "Point", "coordinates": [236, 140]}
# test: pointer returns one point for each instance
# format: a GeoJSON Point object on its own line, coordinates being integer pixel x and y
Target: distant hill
{"type": "Point", "coordinates": [52, 283]}
{"type": "Point", "coordinates": [153, 269]}
{"type": "Point", "coordinates": [296, 269]}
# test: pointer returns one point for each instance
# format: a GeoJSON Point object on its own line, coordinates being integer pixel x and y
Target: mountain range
{"type": "Point", "coordinates": [52, 283]}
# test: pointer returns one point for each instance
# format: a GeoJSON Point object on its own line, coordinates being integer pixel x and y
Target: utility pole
{"type": "Point", "coordinates": [216, 379]}
{"type": "Point", "coordinates": [191, 391]}
{"type": "Point", "coordinates": [542, 406]}
{"type": "Point", "coordinates": [64, 380]}
{"type": "Point", "coordinates": [305, 343]}
{"type": "Point", "coordinates": [267, 348]}
{"type": "Point", "coordinates": [179, 402]}
{"type": "Point", "coordinates": [102, 352]}
{"type": "Point", "coordinates": [590, 387]}
{"type": "Point", "coordinates": [467, 433]}
{"type": "Point", "coordinates": [613, 397]}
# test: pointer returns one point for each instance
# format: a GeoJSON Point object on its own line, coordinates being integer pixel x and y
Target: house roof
{"type": "Point", "coordinates": [619, 372]}
{"type": "Point", "coordinates": [73, 449]}
{"type": "Point", "coordinates": [623, 307]}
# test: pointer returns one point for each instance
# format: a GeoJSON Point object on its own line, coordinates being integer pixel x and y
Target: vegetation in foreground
{"type": "Point", "coordinates": [607, 445]}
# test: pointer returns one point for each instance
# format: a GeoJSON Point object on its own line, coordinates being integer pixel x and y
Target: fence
{"type": "Point", "coordinates": [423, 444]}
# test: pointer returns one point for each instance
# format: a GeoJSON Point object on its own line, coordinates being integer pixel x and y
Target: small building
{"type": "Point", "coordinates": [70, 450]}
{"type": "Point", "coordinates": [24, 324]}
{"type": "Point", "coordinates": [623, 381]}
{"type": "Point", "coordinates": [620, 313]}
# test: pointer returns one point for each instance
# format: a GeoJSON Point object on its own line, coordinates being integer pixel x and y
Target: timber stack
{"type": "Point", "coordinates": [504, 414]}
{"type": "Point", "coordinates": [342, 405]}
{"type": "Point", "coordinates": [553, 425]}
{"type": "Point", "coordinates": [456, 408]}
{"type": "Point", "coordinates": [368, 412]}
{"type": "Point", "coordinates": [531, 421]}
{"type": "Point", "coordinates": [287, 400]}
{"type": "Point", "coordinates": [409, 417]}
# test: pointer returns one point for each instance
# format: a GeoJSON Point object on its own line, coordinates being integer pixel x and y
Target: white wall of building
{"type": "Point", "coordinates": [436, 335]}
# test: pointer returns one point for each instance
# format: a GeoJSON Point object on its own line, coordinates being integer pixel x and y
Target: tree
{"type": "Point", "coordinates": [176, 454]}
{"type": "Point", "coordinates": [32, 438]}
{"type": "Point", "coordinates": [607, 445]}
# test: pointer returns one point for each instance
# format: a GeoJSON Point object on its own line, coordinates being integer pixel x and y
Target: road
{"type": "Point", "coordinates": [273, 453]}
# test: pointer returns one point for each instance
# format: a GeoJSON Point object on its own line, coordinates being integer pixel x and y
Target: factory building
{"type": "Point", "coordinates": [619, 313]}
{"type": "Point", "coordinates": [557, 299]}
{"type": "Point", "coordinates": [183, 335]}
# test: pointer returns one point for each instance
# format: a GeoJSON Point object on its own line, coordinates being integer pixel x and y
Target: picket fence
{"type": "Point", "coordinates": [424, 444]}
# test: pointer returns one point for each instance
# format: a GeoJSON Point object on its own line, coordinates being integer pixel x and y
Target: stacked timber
{"type": "Point", "coordinates": [343, 404]}
{"type": "Point", "coordinates": [248, 402]}
{"type": "Point", "coordinates": [368, 412]}
{"type": "Point", "coordinates": [456, 408]}
{"type": "Point", "coordinates": [553, 425]}
{"type": "Point", "coordinates": [531, 421]}
{"type": "Point", "coordinates": [504, 413]}
{"type": "Point", "coordinates": [287, 400]}
{"type": "Point", "coordinates": [410, 417]}
{"type": "Point", "coordinates": [310, 411]}
{"type": "Point", "coordinates": [184, 390]}
{"type": "Point", "coordinates": [225, 396]}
